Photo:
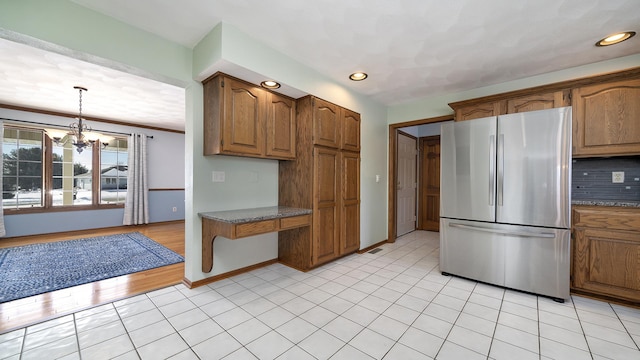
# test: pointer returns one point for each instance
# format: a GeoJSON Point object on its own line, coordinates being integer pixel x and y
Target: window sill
{"type": "Point", "coordinates": [61, 209]}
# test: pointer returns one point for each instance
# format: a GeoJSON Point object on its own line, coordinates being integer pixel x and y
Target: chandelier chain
{"type": "Point", "coordinates": [80, 105]}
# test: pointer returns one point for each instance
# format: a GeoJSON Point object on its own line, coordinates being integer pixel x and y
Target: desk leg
{"type": "Point", "coordinates": [208, 236]}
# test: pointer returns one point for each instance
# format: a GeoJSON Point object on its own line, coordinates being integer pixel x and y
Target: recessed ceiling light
{"type": "Point", "coordinates": [358, 76]}
{"type": "Point", "coordinates": [270, 84]}
{"type": "Point", "coordinates": [615, 38]}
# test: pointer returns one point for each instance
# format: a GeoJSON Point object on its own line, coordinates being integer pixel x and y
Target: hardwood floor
{"type": "Point", "coordinates": [34, 309]}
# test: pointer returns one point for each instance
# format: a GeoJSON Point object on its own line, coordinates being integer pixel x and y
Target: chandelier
{"type": "Point", "coordinates": [79, 134]}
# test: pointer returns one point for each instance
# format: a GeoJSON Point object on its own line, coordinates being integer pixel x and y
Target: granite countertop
{"type": "Point", "coordinates": [620, 203]}
{"type": "Point", "coordinates": [254, 214]}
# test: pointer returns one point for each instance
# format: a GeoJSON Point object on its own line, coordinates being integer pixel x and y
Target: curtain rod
{"type": "Point", "coordinates": [65, 127]}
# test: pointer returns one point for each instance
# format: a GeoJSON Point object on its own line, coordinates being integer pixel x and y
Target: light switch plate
{"type": "Point", "coordinates": [218, 176]}
{"type": "Point", "coordinates": [617, 177]}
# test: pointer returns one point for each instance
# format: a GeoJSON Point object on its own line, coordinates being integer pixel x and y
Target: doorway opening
{"type": "Point", "coordinates": [427, 165]}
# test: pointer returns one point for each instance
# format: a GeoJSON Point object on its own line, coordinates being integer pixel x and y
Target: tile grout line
{"type": "Point", "coordinates": [457, 317]}
{"type": "Point", "coordinates": [495, 326]}
{"type": "Point", "coordinates": [77, 335]}
{"type": "Point", "coordinates": [584, 334]}
{"type": "Point", "coordinates": [171, 324]}
{"type": "Point", "coordinates": [539, 332]}
{"type": "Point", "coordinates": [624, 326]}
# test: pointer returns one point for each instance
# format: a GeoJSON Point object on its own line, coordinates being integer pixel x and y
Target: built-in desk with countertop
{"type": "Point", "coordinates": [236, 224]}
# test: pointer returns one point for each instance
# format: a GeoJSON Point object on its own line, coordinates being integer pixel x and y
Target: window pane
{"type": "Point", "coordinates": [71, 175]}
{"type": "Point", "coordinates": [9, 187]}
{"type": "Point", "coordinates": [113, 172]}
{"type": "Point", "coordinates": [10, 167]}
{"type": "Point", "coordinates": [22, 168]}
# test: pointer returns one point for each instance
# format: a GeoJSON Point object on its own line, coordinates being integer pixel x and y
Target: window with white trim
{"type": "Point", "coordinates": [37, 179]}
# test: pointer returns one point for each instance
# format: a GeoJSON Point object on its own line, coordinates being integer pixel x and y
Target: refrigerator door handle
{"type": "Point", "coordinates": [503, 232]}
{"type": "Point", "coordinates": [492, 169]}
{"type": "Point", "coordinates": [500, 178]}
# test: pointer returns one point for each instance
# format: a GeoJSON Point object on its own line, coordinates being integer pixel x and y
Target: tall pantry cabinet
{"type": "Point", "coordinates": [325, 177]}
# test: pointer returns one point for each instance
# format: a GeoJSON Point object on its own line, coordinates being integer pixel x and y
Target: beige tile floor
{"type": "Point", "coordinates": [394, 304]}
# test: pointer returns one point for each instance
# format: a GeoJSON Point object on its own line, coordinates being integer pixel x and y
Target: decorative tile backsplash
{"type": "Point", "coordinates": [592, 179]}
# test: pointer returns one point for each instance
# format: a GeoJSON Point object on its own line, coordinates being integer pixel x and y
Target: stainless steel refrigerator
{"type": "Point", "coordinates": [505, 203]}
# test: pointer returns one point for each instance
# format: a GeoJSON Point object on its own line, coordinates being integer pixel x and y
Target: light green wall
{"type": "Point", "coordinates": [207, 54]}
{"type": "Point", "coordinates": [438, 105]}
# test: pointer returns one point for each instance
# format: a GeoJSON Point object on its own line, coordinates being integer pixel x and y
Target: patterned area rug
{"type": "Point", "coordinates": [35, 269]}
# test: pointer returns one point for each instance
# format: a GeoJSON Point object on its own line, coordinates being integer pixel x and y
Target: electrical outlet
{"type": "Point", "coordinates": [617, 177]}
{"type": "Point", "coordinates": [174, 209]}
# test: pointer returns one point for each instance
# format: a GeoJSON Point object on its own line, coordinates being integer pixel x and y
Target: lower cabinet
{"type": "Point", "coordinates": [606, 251]}
{"type": "Point", "coordinates": [336, 206]}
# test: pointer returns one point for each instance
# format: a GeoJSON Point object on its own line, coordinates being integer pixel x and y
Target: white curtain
{"type": "Point", "coordinates": [3, 232]}
{"type": "Point", "coordinates": [136, 206]}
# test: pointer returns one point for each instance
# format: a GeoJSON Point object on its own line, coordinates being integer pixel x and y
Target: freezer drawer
{"type": "Point", "coordinates": [540, 265]}
{"type": "Point", "coordinates": [473, 254]}
{"type": "Point", "coordinates": [519, 257]}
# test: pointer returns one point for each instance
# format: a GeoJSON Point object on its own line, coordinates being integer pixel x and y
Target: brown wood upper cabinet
{"type": "Point", "coordinates": [536, 102]}
{"type": "Point", "coordinates": [281, 127]}
{"type": "Point", "coordinates": [606, 249]}
{"type": "Point", "coordinates": [606, 119]}
{"type": "Point", "coordinates": [516, 104]}
{"type": "Point", "coordinates": [243, 119]}
{"type": "Point", "coordinates": [334, 126]}
{"type": "Point", "coordinates": [326, 123]}
{"type": "Point", "coordinates": [350, 130]}
{"type": "Point", "coordinates": [477, 111]}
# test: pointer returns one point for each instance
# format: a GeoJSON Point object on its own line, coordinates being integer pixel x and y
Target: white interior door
{"type": "Point", "coordinates": [406, 184]}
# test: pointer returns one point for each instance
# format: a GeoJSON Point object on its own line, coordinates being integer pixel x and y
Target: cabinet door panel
{"type": "Point", "coordinates": [429, 202]}
{"type": "Point", "coordinates": [607, 262]}
{"type": "Point", "coordinates": [538, 102]}
{"type": "Point", "coordinates": [606, 120]}
{"type": "Point", "coordinates": [326, 228]}
{"type": "Point", "coordinates": [243, 121]}
{"type": "Point", "coordinates": [350, 130]}
{"type": "Point", "coordinates": [480, 111]}
{"type": "Point", "coordinates": [350, 221]}
{"type": "Point", "coordinates": [326, 124]}
{"type": "Point", "coordinates": [281, 127]}
{"type": "Point", "coordinates": [325, 238]}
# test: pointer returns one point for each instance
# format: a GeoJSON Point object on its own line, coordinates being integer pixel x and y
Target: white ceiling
{"type": "Point", "coordinates": [411, 49]}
